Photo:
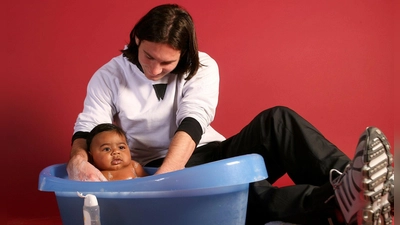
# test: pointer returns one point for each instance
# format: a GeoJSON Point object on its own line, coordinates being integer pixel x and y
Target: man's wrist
{"type": "Point", "coordinates": [79, 149]}
{"type": "Point", "coordinates": [80, 155]}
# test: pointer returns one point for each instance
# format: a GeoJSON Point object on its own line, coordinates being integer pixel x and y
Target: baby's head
{"type": "Point", "coordinates": [108, 147]}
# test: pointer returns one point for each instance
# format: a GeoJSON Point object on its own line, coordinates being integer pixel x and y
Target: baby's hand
{"type": "Point", "coordinates": [81, 170]}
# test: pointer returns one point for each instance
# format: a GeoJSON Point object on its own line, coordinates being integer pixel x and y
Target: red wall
{"type": "Point", "coordinates": [331, 61]}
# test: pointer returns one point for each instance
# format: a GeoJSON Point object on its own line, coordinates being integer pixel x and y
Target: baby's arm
{"type": "Point", "coordinates": [140, 172]}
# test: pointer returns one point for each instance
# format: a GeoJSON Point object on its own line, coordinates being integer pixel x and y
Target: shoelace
{"type": "Point", "coordinates": [337, 181]}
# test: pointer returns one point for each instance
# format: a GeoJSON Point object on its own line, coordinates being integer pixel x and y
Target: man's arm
{"type": "Point", "coordinates": [79, 149]}
{"type": "Point", "coordinates": [78, 167]}
{"type": "Point", "coordinates": [180, 150]}
{"type": "Point", "coordinates": [195, 113]}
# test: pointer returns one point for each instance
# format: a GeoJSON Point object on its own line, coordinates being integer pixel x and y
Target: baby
{"type": "Point", "coordinates": [109, 152]}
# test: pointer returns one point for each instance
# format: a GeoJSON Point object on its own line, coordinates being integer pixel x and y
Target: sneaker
{"type": "Point", "coordinates": [362, 190]}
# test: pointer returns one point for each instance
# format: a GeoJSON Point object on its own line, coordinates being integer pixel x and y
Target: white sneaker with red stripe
{"type": "Point", "coordinates": [362, 190]}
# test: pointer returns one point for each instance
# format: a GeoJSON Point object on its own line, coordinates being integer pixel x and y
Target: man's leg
{"type": "Point", "coordinates": [288, 144]}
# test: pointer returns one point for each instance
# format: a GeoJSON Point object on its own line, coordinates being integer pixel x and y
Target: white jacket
{"type": "Point", "coordinates": [119, 92]}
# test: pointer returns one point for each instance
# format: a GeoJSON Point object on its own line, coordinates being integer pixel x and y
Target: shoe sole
{"type": "Point", "coordinates": [376, 171]}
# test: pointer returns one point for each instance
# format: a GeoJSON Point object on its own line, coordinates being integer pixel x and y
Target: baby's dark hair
{"type": "Point", "coordinates": [101, 128]}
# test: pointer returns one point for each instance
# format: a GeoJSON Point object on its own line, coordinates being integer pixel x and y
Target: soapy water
{"type": "Point", "coordinates": [91, 174]}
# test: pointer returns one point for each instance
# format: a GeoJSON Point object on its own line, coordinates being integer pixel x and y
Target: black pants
{"type": "Point", "coordinates": [289, 144]}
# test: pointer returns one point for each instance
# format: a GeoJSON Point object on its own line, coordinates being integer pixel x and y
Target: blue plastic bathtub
{"type": "Point", "coordinates": [212, 193]}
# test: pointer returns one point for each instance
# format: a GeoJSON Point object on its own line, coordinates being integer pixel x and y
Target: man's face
{"type": "Point", "coordinates": [157, 60]}
{"type": "Point", "coordinates": [110, 151]}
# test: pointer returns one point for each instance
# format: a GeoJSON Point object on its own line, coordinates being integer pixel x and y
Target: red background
{"type": "Point", "coordinates": [331, 61]}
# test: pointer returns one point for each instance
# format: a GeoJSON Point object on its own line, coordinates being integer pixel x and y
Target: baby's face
{"type": "Point", "coordinates": [110, 151]}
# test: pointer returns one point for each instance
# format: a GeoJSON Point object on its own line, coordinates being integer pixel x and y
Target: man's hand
{"type": "Point", "coordinates": [80, 169]}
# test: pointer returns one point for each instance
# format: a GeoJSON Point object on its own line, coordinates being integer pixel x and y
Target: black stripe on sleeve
{"type": "Point", "coordinates": [79, 134]}
{"type": "Point", "coordinates": [192, 127]}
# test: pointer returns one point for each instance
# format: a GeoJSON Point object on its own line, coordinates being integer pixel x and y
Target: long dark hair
{"type": "Point", "coordinates": [168, 24]}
